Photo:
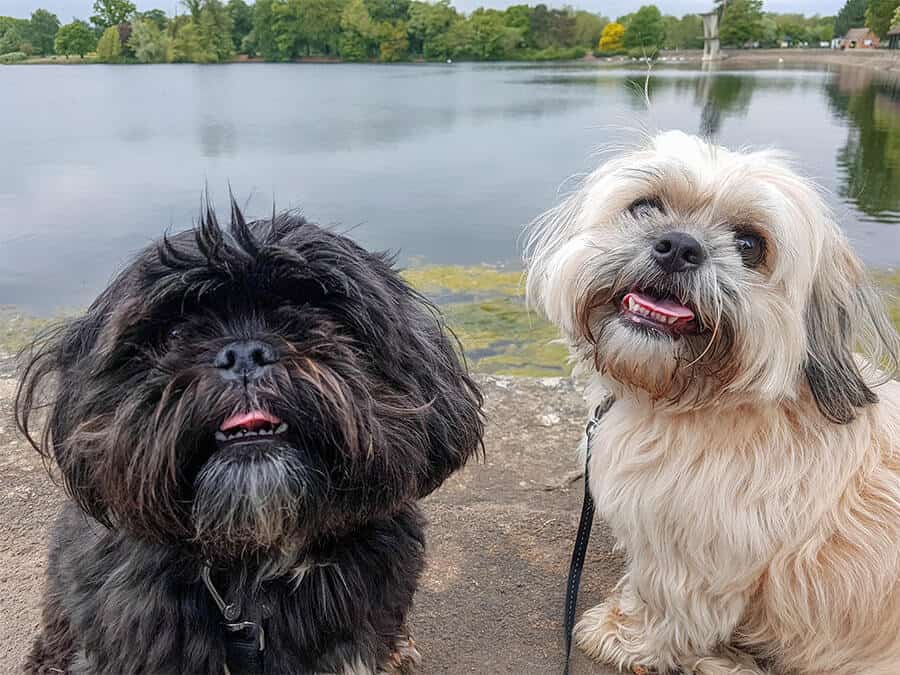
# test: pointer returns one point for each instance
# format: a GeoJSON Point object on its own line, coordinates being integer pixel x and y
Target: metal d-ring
{"type": "Point", "coordinates": [231, 611]}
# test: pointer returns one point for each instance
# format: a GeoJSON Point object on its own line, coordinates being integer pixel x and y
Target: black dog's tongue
{"type": "Point", "coordinates": [250, 421]}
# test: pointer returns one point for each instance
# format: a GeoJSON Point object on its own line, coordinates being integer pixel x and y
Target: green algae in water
{"type": "Point", "coordinates": [478, 281]}
{"type": "Point", "coordinates": [889, 284]}
{"type": "Point", "coordinates": [485, 307]}
{"type": "Point", "coordinates": [501, 336]}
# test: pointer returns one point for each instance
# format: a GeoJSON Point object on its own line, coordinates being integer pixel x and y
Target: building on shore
{"type": "Point", "coordinates": [860, 38]}
{"type": "Point", "coordinates": [894, 37]}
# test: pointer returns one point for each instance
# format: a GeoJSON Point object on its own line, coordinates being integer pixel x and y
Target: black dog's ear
{"type": "Point", "coordinates": [49, 383]}
{"type": "Point", "coordinates": [845, 314]}
{"type": "Point", "coordinates": [455, 424]}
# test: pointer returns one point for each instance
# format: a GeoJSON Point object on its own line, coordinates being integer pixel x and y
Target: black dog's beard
{"type": "Point", "coordinates": [249, 499]}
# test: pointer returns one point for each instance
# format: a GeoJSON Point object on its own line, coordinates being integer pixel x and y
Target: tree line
{"type": "Point", "coordinates": [210, 31]}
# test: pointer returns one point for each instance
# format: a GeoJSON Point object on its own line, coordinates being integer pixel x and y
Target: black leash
{"type": "Point", "coordinates": [245, 641]}
{"type": "Point", "coordinates": [584, 534]}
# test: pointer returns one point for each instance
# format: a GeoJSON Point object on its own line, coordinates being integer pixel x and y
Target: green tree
{"type": "Point", "coordinates": [241, 22]}
{"type": "Point", "coordinates": [588, 29]}
{"type": "Point", "coordinates": [185, 45]}
{"type": "Point", "coordinates": [42, 31]}
{"type": "Point", "coordinates": [896, 20]}
{"type": "Point", "coordinates": [75, 38]}
{"type": "Point", "coordinates": [157, 16]}
{"type": "Point", "coordinates": [824, 30]}
{"type": "Point", "coordinates": [193, 7]}
{"type": "Point", "coordinates": [109, 48]}
{"type": "Point", "coordinates": [550, 28]}
{"type": "Point", "coordinates": [388, 10]}
{"type": "Point", "coordinates": [518, 16]}
{"type": "Point", "coordinates": [111, 12]}
{"type": "Point", "coordinates": [879, 15]}
{"type": "Point", "coordinates": [792, 28]}
{"type": "Point", "coordinates": [263, 34]}
{"type": "Point", "coordinates": [852, 15]}
{"type": "Point", "coordinates": [768, 31]}
{"type": "Point", "coordinates": [393, 43]}
{"type": "Point", "coordinates": [306, 27]}
{"type": "Point", "coordinates": [429, 25]}
{"type": "Point", "coordinates": [684, 33]}
{"type": "Point", "coordinates": [214, 32]}
{"type": "Point", "coordinates": [741, 22]}
{"type": "Point", "coordinates": [490, 38]}
{"type": "Point", "coordinates": [358, 32]}
{"type": "Point", "coordinates": [612, 38]}
{"type": "Point", "coordinates": [148, 42]}
{"type": "Point", "coordinates": [646, 29]}
{"type": "Point", "coordinates": [13, 34]}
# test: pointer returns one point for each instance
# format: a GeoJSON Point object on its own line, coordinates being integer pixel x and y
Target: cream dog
{"type": "Point", "coordinates": [750, 466]}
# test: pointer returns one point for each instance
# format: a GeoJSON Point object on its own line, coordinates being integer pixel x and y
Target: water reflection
{"type": "Point", "coordinates": [720, 96]}
{"type": "Point", "coordinates": [870, 159]}
{"type": "Point", "coordinates": [442, 163]}
{"type": "Point", "coordinates": [217, 138]}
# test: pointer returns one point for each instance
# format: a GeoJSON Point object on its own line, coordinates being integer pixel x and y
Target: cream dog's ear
{"type": "Point", "coordinates": [845, 314]}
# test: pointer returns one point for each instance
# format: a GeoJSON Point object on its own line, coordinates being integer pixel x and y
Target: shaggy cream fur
{"type": "Point", "coordinates": [751, 470]}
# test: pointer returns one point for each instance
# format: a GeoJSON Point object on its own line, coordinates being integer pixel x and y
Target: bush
{"type": "Point", "coordinates": [641, 53]}
{"type": "Point", "coordinates": [13, 57]}
{"type": "Point", "coordinates": [550, 54]}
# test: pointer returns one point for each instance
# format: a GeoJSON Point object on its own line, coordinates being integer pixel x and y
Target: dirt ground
{"type": "Point", "coordinates": [491, 600]}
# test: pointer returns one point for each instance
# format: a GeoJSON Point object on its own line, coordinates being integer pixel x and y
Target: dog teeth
{"type": "Point", "coordinates": [639, 309]}
{"type": "Point", "coordinates": [245, 433]}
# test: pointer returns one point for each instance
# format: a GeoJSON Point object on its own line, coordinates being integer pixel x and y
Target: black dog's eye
{"type": "Point", "coordinates": [646, 207]}
{"type": "Point", "coordinates": [174, 333]}
{"type": "Point", "coordinates": [751, 247]}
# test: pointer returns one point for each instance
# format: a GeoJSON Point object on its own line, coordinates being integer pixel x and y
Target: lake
{"type": "Point", "coordinates": [443, 163]}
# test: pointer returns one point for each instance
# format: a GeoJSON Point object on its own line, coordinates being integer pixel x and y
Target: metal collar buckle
{"type": "Point", "coordinates": [232, 612]}
{"type": "Point", "coordinates": [599, 412]}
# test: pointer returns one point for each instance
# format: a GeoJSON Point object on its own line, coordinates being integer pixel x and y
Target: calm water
{"type": "Point", "coordinates": [443, 163]}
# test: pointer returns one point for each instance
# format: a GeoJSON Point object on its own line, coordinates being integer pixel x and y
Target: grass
{"type": "Point", "coordinates": [484, 306]}
{"type": "Point", "coordinates": [60, 60]}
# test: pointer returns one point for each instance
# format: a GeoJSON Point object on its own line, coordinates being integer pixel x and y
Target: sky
{"type": "Point", "coordinates": [66, 9]}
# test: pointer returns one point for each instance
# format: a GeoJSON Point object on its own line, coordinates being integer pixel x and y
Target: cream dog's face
{"type": "Point", "coordinates": [688, 271]}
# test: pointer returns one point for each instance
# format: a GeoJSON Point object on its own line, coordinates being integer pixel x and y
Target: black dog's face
{"type": "Point", "coordinates": [247, 391]}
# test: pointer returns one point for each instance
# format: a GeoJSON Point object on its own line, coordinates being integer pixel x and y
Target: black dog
{"type": "Point", "coordinates": [250, 414]}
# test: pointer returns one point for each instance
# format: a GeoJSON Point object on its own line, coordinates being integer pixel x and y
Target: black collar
{"type": "Point", "coordinates": [245, 641]}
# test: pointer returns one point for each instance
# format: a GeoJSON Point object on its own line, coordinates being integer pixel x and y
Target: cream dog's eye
{"type": "Point", "coordinates": [646, 207]}
{"type": "Point", "coordinates": [751, 247]}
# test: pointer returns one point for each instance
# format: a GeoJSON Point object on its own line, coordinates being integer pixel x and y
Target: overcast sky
{"type": "Point", "coordinates": [66, 9]}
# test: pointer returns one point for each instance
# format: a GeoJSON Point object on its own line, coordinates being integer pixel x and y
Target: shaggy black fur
{"type": "Point", "coordinates": [314, 532]}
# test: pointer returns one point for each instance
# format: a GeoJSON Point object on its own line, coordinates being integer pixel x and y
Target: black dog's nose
{"type": "Point", "coordinates": [245, 359]}
{"type": "Point", "coordinates": [678, 252]}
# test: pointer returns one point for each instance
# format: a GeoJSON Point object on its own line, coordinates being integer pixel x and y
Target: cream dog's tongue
{"type": "Point", "coordinates": [666, 307]}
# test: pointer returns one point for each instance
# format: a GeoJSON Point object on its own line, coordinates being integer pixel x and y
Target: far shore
{"type": "Point", "coordinates": [884, 60]}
